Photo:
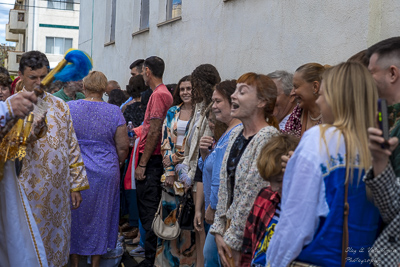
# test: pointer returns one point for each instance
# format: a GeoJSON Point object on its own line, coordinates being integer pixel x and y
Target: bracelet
{"type": "Point", "coordinates": [141, 166]}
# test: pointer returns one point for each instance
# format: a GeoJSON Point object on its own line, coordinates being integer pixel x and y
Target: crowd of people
{"type": "Point", "coordinates": [283, 169]}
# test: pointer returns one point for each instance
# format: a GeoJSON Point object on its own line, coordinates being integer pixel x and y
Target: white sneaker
{"type": "Point", "coordinates": [137, 252]}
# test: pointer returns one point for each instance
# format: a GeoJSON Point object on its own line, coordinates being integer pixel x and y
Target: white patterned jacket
{"type": "Point", "coordinates": [248, 183]}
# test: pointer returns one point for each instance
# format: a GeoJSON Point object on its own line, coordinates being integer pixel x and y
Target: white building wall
{"type": "Point", "coordinates": [30, 12]}
{"type": "Point", "coordinates": [56, 17]}
{"type": "Point", "coordinates": [20, 45]}
{"type": "Point", "coordinates": [236, 36]}
{"type": "Point", "coordinates": [36, 31]}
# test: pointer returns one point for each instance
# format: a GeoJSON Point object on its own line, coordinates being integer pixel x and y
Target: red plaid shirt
{"type": "Point", "coordinates": [260, 215]}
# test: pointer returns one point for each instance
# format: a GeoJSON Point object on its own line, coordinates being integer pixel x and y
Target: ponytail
{"type": "Point", "coordinates": [272, 120]}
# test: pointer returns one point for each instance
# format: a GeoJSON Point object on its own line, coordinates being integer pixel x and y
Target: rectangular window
{"type": "Point", "coordinates": [61, 4]}
{"type": "Point", "coordinates": [113, 19]}
{"type": "Point", "coordinates": [144, 14]}
{"type": "Point", "coordinates": [21, 16]}
{"type": "Point", "coordinates": [174, 9]}
{"type": "Point", "coordinates": [58, 46]}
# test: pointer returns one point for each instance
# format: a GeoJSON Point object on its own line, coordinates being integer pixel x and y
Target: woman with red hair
{"type": "Point", "coordinates": [253, 103]}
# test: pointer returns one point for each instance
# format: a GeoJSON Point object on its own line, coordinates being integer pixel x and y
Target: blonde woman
{"type": "Point", "coordinates": [306, 85]}
{"type": "Point", "coordinates": [310, 226]}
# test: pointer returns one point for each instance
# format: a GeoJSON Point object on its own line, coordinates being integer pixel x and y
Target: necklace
{"type": "Point", "coordinates": [315, 119]}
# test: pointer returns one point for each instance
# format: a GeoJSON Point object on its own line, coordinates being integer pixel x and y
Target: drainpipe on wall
{"type": "Point", "coordinates": [91, 40]}
{"type": "Point", "coordinates": [33, 26]}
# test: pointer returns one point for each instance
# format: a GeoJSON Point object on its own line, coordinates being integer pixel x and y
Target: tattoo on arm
{"type": "Point", "coordinates": [153, 138]}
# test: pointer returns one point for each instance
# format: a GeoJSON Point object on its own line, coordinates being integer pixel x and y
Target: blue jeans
{"type": "Point", "coordinates": [210, 252]}
{"type": "Point", "coordinates": [132, 206]}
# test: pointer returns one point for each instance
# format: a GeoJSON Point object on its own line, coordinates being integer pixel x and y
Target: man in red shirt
{"type": "Point", "coordinates": [149, 170]}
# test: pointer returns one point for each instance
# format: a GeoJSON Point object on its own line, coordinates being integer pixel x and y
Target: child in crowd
{"type": "Point", "coordinates": [264, 214]}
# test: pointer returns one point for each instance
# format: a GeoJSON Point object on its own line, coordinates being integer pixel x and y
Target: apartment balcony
{"type": "Point", "coordinates": [13, 61]}
{"type": "Point", "coordinates": [11, 37]}
{"type": "Point", "coordinates": [18, 21]}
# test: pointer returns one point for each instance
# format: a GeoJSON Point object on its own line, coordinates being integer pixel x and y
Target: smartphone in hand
{"type": "Point", "coordinates": [383, 121]}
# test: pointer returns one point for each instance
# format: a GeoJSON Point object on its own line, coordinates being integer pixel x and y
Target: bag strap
{"type": "Point", "coordinates": [345, 238]}
{"type": "Point", "coordinates": [159, 209]}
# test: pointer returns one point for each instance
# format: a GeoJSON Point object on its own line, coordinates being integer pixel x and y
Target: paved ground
{"type": "Point", "coordinates": [127, 260]}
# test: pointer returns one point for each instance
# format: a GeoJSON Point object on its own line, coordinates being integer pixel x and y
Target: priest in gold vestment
{"type": "Point", "coordinates": [21, 243]}
{"type": "Point", "coordinates": [52, 172]}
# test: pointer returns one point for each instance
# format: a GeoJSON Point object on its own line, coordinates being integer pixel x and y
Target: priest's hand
{"type": "Point", "coordinates": [22, 103]}
{"type": "Point", "coordinates": [76, 199]}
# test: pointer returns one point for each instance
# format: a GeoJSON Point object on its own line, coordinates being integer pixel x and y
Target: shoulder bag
{"type": "Point", "coordinates": [162, 230]}
{"type": "Point", "coordinates": [186, 211]}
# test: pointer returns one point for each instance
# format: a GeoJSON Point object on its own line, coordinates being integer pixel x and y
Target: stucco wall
{"type": "Point", "coordinates": [236, 36]}
{"type": "Point", "coordinates": [36, 35]}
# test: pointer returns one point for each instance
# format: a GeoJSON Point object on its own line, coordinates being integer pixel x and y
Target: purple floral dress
{"type": "Point", "coordinates": [95, 223]}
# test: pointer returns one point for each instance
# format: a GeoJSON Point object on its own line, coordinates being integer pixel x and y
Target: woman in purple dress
{"type": "Point", "coordinates": [102, 136]}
